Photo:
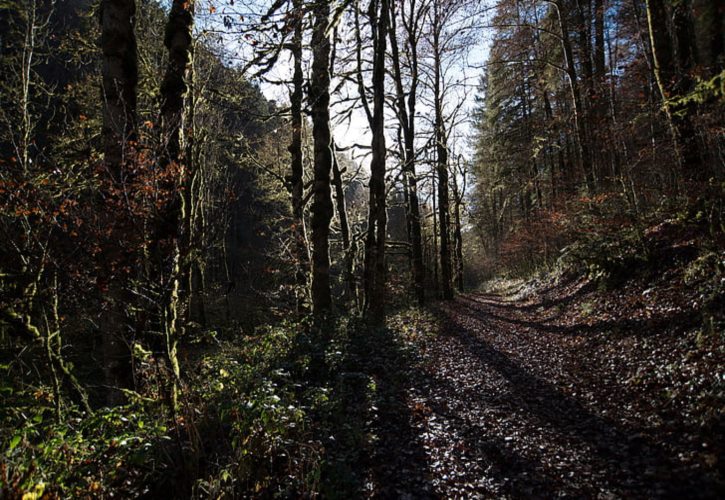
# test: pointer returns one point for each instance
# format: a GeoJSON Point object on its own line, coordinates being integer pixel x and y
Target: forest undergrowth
{"type": "Point", "coordinates": [627, 333]}
{"type": "Point", "coordinates": [284, 412]}
{"type": "Point", "coordinates": [216, 218]}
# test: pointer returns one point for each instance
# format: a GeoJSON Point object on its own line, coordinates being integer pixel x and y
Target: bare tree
{"type": "Point", "coordinates": [322, 208]}
{"type": "Point", "coordinates": [175, 120]}
{"type": "Point", "coordinates": [297, 180]}
{"type": "Point", "coordinates": [375, 243]}
{"type": "Point", "coordinates": [120, 79]}
{"type": "Point", "coordinates": [412, 14]}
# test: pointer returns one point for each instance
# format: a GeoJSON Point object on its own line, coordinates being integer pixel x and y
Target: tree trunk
{"type": "Point", "coordinates": [671, 72]}
{"type": "Point", "coordinates": [586, 112]}
{"type": "Point", "coordinates": [174, 95]}
{"type": "Point", "coordinates": [435, 254]}
{"type": "Point", "coordinates": [177, 40]}
{"type": "Point", "coordinates": [585, 162]}
{"type": "Point", "coordinates": [377, 219]}
{"type": "Point", "coordinates": [599, 59]}
{"type": "Point", "coordinates": [598, 104]}
{"type": "Point", "coordinates": [120, 78]}
{"type": "Point", "coordinates": [322, 208]}
{"type": "Point", "coordinates": [457, 233]}
{"type": "Point", "coordinates": [406, 116]}
{"type": "Point", "coordinates": [344, 224]}
{"type": "Point", "coordinates": [441, 161]}
{"type": "Point", "coordinates": [302, 253]}
{"type": "Point", "coordinates": [683, 32]}
{"type": "Point", "coordinates": [711, 20]}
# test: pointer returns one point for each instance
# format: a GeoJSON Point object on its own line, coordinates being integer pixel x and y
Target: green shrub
{"type": "Point", "coordinates": [608, 258]}
{"type": "Point", "coordinates": [116, 450]}
{"type": "Point", "coordinates": [258, 405]}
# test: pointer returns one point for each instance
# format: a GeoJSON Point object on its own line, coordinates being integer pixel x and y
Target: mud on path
{"type": "Point", "coordinates": [508, 401]}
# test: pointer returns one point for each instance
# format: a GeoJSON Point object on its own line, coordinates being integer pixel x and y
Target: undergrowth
{"type": "Point", "coordinates": [665, 239]}
{"type": "Point", "coordinates": [681, 243]}
{"type": "Point", "coordinates": [120, 449]}
{"type": "Point", "coordinates": [280, 413]}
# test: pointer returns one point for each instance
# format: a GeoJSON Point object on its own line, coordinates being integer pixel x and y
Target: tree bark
{"type": "Point", "coordinates": [347, 256]}
{"type": "Point", "coordinates": [174, 88]}
{"type": "Point", "coordinates": [322, 208]}
{"type": "Point", "coordinates": [120, 78]}
{"type": "Point", "coordinates": [441, 160]}
{"type": "Point", "coordinates": [683, 32]}
{"type": "Point", "coordinates": [377, 219]}
{"type": "Point", "coordinates": [599, 9]}
{"type": "Point", "coordinates": [119, 82]}
{"type": "Point", "coordinates": [457, 232]}
{"type": "Point", "coordinates": [176, 153]}
{"type": "Point", "coordinates": [302, 253]}
{"type": "Point", "coordinates": [585, 161]}
{"type": "Point", "coordinates": [435, 253]}
{"type": "Point", "coordinates": [671, 72]}
{"type": "Point", "coordinates": [406, 116]}
{"type": "Point", "coordinates": [597, 103]}
{"type": "Point", "coordinates": [711, 19]}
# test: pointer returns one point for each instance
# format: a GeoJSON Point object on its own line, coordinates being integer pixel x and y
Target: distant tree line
{"type": "Point", "coordinates": [602, 109]}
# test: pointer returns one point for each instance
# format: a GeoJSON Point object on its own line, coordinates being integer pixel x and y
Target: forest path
{"type": "Point", "coordinates": [507, 404]}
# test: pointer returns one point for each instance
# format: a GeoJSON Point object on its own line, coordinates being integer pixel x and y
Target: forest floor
{"type": "Point", "coordinates": [566, 386]}
{"type": "Point", "coordinates": [552, 390]}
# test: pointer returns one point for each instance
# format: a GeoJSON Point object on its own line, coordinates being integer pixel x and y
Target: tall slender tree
{"type": "Point", "coordinates": [119, 87]}
{"type": "Point", "coordinates": [459, 192]}
{"type": "Point", "coordinates": [297, 180]}
{"type": "Point", "coordinates": [347, 254]}
{"type": "Point", "coordinates": [411, 15]}
{"type": "Point", "coordinates": [175, 121]}
{"type": "Point", "coordinates": [578, 104]}
{"type": "Point", "coordinates": [322, 207]}
{"type": "Point", "coordinates": [377, 219]}
{"type": "Point", "coordinates": [441, 142]}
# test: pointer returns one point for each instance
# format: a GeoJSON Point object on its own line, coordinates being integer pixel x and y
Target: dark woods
{"type": "Point", "coordinates": [154, 204]}
{"type": "Point", "coordinates": [128, 192]}
{"type": "Point", "coordinates": [593, 116]}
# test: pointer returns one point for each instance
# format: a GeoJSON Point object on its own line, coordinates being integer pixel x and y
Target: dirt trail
{"type": "Point", "coordinates": [510, 405]}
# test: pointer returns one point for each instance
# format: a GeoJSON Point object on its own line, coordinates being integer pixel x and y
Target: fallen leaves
{"type": "Point", "coordinates": [526, 397]}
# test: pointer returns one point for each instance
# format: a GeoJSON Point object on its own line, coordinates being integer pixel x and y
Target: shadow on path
{"type": "Point", "coordinates": [393, 434]}
{"type": "Point", "coordinates": [372, 450]}
{"type": "Point", "coordinates": [628, 462]}
{"type": "Point", "coordinates": [682, 319]}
